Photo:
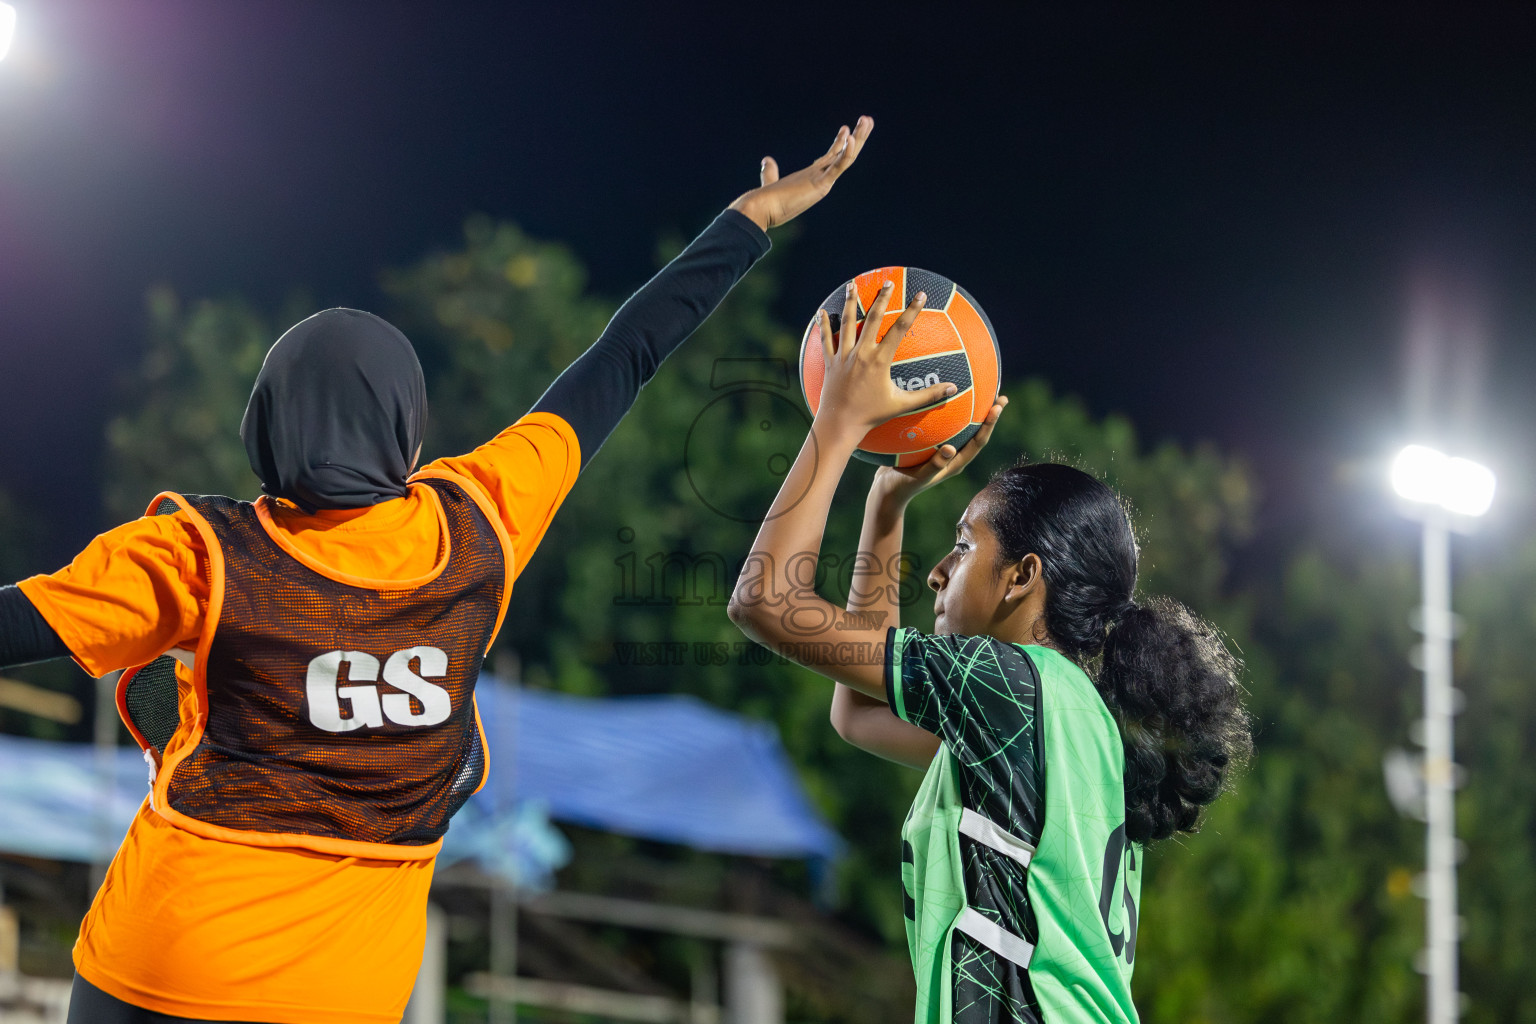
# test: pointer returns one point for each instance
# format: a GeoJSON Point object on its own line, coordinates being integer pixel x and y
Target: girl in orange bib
{"type": "Point", "coordinates": [301, 668]}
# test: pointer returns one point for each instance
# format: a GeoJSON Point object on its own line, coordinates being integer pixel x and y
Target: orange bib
{"type": "Point", "coordinates": [326, 713]}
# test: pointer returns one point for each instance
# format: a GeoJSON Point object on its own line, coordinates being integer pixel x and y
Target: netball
{"type": "Point", "coordinates": [952, 341]}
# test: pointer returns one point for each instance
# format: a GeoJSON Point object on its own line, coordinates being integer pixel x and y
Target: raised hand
{"type": "Point", "coordinates": [780, 200]}
{"type": "Point", "coordinates": [857, 393]}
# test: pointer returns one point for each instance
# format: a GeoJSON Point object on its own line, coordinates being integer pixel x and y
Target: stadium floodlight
{"type": "Point", "coordinates": [7, 28]}
{"type": "Point", "coordinates": [1429, 477]}
{"type": "Point", "coordinates": [1437, 484]}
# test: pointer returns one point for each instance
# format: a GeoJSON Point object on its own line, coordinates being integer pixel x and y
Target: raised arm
{"type": "Point", "coordinates": [775, 601]}
{"type": "Point", "coordinates": [25, 636]}
{"type": "Point", "coordinates": [863, 720]}
{"type": "Point", "coordinates": [595, 391]}
{"type": "Point", "coordinates": [528, 469]}
{"type": "Point", "coordinates": [874, 596]}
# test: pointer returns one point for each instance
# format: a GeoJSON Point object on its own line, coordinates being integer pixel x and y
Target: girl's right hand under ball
{"type": "Point", "coordinates": [900, 485]}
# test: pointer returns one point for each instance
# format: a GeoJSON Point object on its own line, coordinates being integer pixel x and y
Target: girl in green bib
{"type": "Point", "coordinates": [1022, 854]}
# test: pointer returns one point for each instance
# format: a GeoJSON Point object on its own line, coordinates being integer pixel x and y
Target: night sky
{"type": "Point", "coordinates": [1220, 224]}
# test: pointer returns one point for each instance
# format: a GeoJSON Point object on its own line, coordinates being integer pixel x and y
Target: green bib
{"type": "Point", "coordinates": [1084, 879]}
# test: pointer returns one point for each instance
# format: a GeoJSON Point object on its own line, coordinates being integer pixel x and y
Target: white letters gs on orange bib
{"type": "Point", "coordinates": [368, 706]}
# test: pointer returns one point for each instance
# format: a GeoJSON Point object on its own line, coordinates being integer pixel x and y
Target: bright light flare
{"type": "Point", "coordinates": [7, 28]}
{"type": "Point", "coordinates": [1469, 487]}
{"type": "Point", "coordinates": [1430, 477]}
{"type": "Point", "coordinates": [1417, 473]}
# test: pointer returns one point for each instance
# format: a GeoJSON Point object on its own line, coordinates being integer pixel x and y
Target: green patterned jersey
{"type": "Point", "coordinates": [1021, 905]}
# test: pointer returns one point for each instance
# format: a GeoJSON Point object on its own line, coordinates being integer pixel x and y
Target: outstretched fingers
{"type": "Point", "coordinates": [828, 345]}
{"type": "Point", "coordinates": [854, 144]}
{"type": "Point", "coordinates": [989, 424]}
{"type": "Point", "coordinates": [861, 129]}
{"type": "Point", "coordinates": [850, 321]}
{"type": "Point", "coordinates": [942, 458]}
{"type": "Point", "coordinates": [875, 314]}
{"type": "Point", "coordinates": [979, 440]}
{"type": "Point", "coordinates": [845, 150]}
{"type": "Point", "coordinates": [925, 397]}
{"type": "Point", "coordinates": [928, 396]}
{"type": "Point", "coordinates": [839, 144]}
{"type": "Point", "coordinates": [899, 329]}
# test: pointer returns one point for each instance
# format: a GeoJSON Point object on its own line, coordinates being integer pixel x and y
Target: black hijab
{"type": "Point", "coordinates": [337, 412]}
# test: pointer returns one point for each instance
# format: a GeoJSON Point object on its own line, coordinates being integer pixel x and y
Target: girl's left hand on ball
{"type": "Point", "coordinates": [857, 393]}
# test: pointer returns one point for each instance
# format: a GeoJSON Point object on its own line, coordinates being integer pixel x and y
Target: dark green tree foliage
{"type": "Point", "coordinates": [181, 427]}
{"type": "Point", "coordinates": [493, 323]}
{"type": "Point", "coordinates": [1281, 909]}
{"type": "Point", "coordinates": [1298, 903]}
{"type": "Point", "coordinates": [1295, 904]}
{"type": "Point", "coordinates": [1497, 809]}
{"type": "Point", "coordinates": [18, 539]}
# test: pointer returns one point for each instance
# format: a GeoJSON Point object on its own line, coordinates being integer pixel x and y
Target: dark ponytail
{"type": "Point", "coordinates": [1172, 685]}
{"type": "Point", "coordinates": [1164, 673]}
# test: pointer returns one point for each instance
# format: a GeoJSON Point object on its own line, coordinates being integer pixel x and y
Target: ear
{"type": "Point", "coordinates": [1026, 580]}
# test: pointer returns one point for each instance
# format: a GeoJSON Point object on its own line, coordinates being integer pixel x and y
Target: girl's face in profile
{"type": "Point", "coordinates": [968, 589]}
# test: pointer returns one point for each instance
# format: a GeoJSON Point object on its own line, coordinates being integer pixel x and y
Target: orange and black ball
{"type": "Point", "coordinates": [951, 341]}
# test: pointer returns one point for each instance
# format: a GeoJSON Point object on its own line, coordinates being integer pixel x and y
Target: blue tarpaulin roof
{"type": "Point", "coordinates": [56, 802]}
{"type": "Point", "coordinates": [667, 767]}
{"type": "Point", "coordinates": [670, 768]}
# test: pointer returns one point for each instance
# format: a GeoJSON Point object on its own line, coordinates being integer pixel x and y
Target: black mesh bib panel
{"type": "Point", "coordinates": [148, 703]}
{"type": "Point", "coordinates": [338, 710]}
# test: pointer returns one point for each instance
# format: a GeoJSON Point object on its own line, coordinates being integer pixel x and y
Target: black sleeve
{"type": "Point", "coordinates": [25, 635]}
{"type": "Point", "coordinates": [976, 693]}
{"type": "Point", "coordinates": [595, 391]}
{"type": "Point", "coordinates": [981, 696]}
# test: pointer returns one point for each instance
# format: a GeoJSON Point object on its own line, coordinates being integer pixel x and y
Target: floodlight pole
{"type": "Point", "coordinates": [1441, 921]}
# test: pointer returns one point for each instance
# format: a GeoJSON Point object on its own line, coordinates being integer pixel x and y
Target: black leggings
{"type": "Point", "coordinates": [90, 1005]}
